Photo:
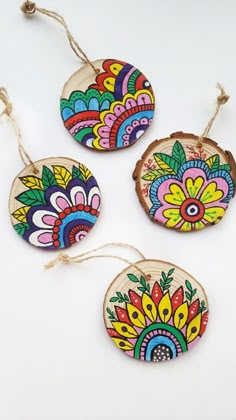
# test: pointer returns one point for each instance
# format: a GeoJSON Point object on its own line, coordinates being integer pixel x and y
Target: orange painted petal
{"type": "Point", "coordinates": [193, 309]}
{"type": "Point", "coordinates": [177, 298]}
{"type": "Point", "coordinates": [156, 293]}
{"type": "Point", "coordinates": [204, 323]}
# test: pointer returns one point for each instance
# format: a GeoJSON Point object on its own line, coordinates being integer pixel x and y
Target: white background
{"type": "Point", "coordinates": [56, 360]}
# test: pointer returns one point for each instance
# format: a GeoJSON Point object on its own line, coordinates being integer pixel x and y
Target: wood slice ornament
{"type": "Point", "coordinates": [107, 104]}
{"type": "Point", "coordinates": [56, 208]}
{"type": "Point", "coordinates": [156, 318]}
{"type": "Point", "coordinates": [53, 202]}
{"type": "Point", "coordinates": [153, 310]}
{"type": "Point", "coordinates": [186, 182]}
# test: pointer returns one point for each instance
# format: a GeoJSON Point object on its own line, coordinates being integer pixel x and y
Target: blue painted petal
{"type": "Point", "coordinates": [93, 104]}
{"type": "Point", "coordinates": [105, 105]}
{"type": "Point", "coordinates": [193, 164]}
{"type": "Point", "coordinates": [80, 106]}
{"type": "Point", "coordinates": [67, 113]}
{"type": "Point", "coordinates": [225, 175]}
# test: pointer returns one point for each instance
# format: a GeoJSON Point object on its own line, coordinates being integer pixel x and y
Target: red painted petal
{"type": "Point", "coordinates": [156, 293]}
{"type": "Point", "coordinates": [122, 315]}
{"type": "Point", "coordinates": [193, 310]}
{"type": "Point", "coordinates": [113, 333]}
{"type": "Point", "coordinates": [177, 298]}
{"type": "Point", "coordinates": [136, 300]}
{"type": "Point", "coordinates": [203, 323]}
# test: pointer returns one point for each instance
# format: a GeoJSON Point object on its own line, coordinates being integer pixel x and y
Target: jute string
{"type": "Point", "coordinates": [29, 8]}
{"type": "Point", "coordinates": [221, 100]}
{"type": "Point", "coordinates": [8, 112]}
{"type": "Point", "coordinates": [80, 258]}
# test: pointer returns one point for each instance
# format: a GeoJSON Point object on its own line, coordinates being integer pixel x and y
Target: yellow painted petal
{"type": "Point", "coordinates": [32, 182]}
{"type": "Point", "coordinates": [62, 175]}
{"type": "Point", "coordinates": [211, 193]}
{"type": "Point", "coordinates": [116, 68]}
{"type": "Point", "coordinates": [173, 217]}
{"type": "Point", "coordinates": [194, 186]}
{"type": "Point", "coordinates": [177, 195]}
{"type": "Point", "coordinates": [109, 83]}
{"type": "Point", "coordinates": [199, 225]}
{"type": "Point", "coordinates": [85, 172]}
{"type": "Point", "coordinates": [194, 328]}
{"type": "Point", "coordinates": [181, 316]}
{"type": "Point", "coordinates": [136, 316]}
{"type": "Point", "coordinates": [214, 214]}
{"type": "Point", "coordinates": [123, 344]}
{"type": "Point", "coordinates": [164, 307]}
{"type": "Point", "coordinates": [149, 307]}
{"type": "Point", "coordinates": [186, 227]}
{"type": "Point", "coordinates": [20, 214]}
{"type": "Point", "coordinates": [125, 329]}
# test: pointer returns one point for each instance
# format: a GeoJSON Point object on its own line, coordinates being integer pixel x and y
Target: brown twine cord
{"type": "Point", "coordinates": [221, 100]}
{"type": "Point", "coordinates": [77, 259]}
{"type": "Point", "coordinates": [8, 112]}
{"type": "Point", "coordinates": [29, 8]}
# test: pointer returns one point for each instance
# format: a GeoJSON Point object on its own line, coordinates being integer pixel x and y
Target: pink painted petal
{"type": "Point", "coordinates": [144, 98]}
{"type": "Point", "coordinates": [104, 132]}
{"type": "Point", "coordinates": [104, 143]}
{"type": "Point", "coordinates": [94, 198]}
{"type": "Point", "coordinates": [135, 123]}
{"type": "Point", "coordinates": [62, 203]}
{"type": "Point", "coordinates": [130, 103]}
{"type": "Point", "coordinates": [59, 201]}
{"type": "Point", "coordinates": [49, 220]}
{"type": "Point", "coordinates": [129, 129]}
{"type": "Point", "coordinates": [194, 173]}
{"type": "Point", "coordinates": [144, 121]}
{"type": "Point", "coordinates": [41, 238]}
{"type": "Point", "coordinates": [44, 218]}
{"type": "Point", "coordinates": [80, 235]}
{"type": "Point", "coordinates": [78, 196]}
{"type": "Point", "coordinates": [95, 202]}
{"type": "Point", "coordinates": [45, 238]}
{"type": "Point", "coordinates": [119, 109]}
{"type": "Point", "coordinates": [110, 119]}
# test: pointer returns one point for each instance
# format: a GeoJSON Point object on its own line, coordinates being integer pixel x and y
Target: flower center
{"type": "Point", "coordinates": [192, 210]}
{"type": "Point", "coordinates": [161, 352]}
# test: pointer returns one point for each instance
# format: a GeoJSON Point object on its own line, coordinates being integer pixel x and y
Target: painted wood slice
{"type": "Point", "coordinates": [182, 186]}
{"type": "Point", "coordinates": [56, 207]}
{"type": "Point", "coordinates": [109, 111]}
{"type": "Point", "coordinates": [157, 318]}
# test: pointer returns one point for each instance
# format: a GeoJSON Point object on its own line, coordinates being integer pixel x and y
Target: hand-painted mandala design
{"type": "Point", "coordinates": [114, 111]}
{"type": "Point", "coordinates": [59, 208]}
{"type": "Point", "coordinates": [187, 194]}
{"type": "Point", "coordinates": [154, 323]}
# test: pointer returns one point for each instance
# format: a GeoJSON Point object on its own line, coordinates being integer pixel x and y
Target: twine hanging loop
{"type": "Point", "coordinates": [80, 258]}
{"type": "Point", "coordinates": [29, 8]}
{"type": "Point", "coordinates": [8, 112]}
{"type": "Point", "coordinates": [221, 100]}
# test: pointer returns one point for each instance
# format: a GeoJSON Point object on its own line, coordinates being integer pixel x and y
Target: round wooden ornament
{"type": "Point", "coordinates": [157, 316]}
{"type": "Point", "coordinates": [185, 182]}
{"type": "Point", "coordinates": [153, 310]}
{"type": "Point", "coordinates": [56, 208]}
{"type": "Point", "coordinates": [110, 110]}
{"type": "Point", "coordinates": [107, 104]}
{"type": "Point", "coordinates": [54, 202]}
